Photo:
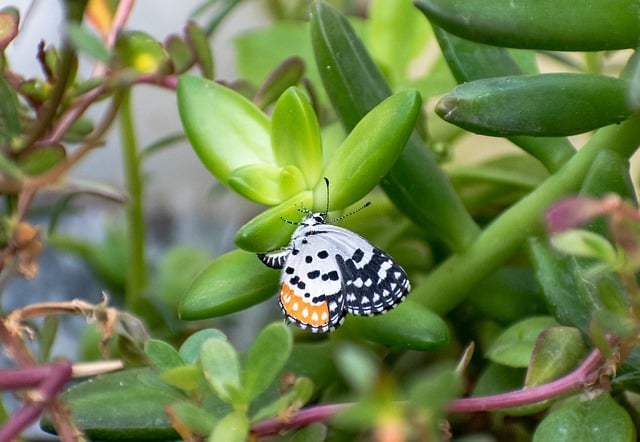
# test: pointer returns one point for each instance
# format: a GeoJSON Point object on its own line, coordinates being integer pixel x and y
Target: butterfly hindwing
{"type": "Point", "coordinates": [310, 287]}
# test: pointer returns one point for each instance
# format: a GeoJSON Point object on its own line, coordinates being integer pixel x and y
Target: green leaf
{"type": "Point", "coordinates": [431, 393]}
{"type": "Point", "coordinates": [557, 104]}
{"type": "Point", "coordinates": [199, 43]}
{"type": "Point", "coordinates": [287, 74]}
{"type": "Point", "coordinates": [229, 284]}
{"type": "Point", "coordinates": [140, 51]}
{"type": "Point", "coordinates": [177, 268]}
{"type": "Point", "coordinates": [37, 161]}
{"type": "Point", "coordinates": [46, 337]}
{"type": "Point", "coordinates": [561, 278]}
{"type": "Point", "coordinates": [396, 36]}
{"type": "Point", "coordinates": [316, 432]}
{"type": "Point", "coordinates": [126, 406]}
{"type": "Point", "coordinates": [293, 399]}
{"type": "Point", "coordinates": [234, 427]}
{"type": "Point", "coordinates": [190, 348]}
{"type": "Point", "coordinates": [587, 420]}
{"type": "Point", "coordinates": [408, 326]}
{"type": "Point", "coordinates": [556, 352]}
{"type": "Point", "coordinates": [295, 135]}
{"type": "Point", "coordinates": [543, 24]}
{"type": "Point", "coordinates": [584, 243]}
{"type": "Point", "coordinates": [370, 150]}
{"type": "Point", "coordinates": [221, 367]}
{"type": "Point", "coordinates": [514, 346]}
{"type": "Point", "coordinates": [88, 42]}
{"type": "Point", "coordinates": [162, 355]}
{"type": "Point", "coordinates": [415, 183]}
{"type": "Point", "coordinates": [225, 129]}
{"type": "Point", "coordinates": [185, 377]}
{"type": "Point", "coordinates": [357, 365]}
{"type": "Point", "coordinates": [180, 54]}
{"type": "Point", "coordinates": [265, 359]}
{"type": "Point", "coordinates": [268, 231]}
{"type": "Point", "coordinates": [497, 379]}
{"type": "Point", "coordinates": [266, 183]}
{"type": "Point", "coordinates": [193, 417]}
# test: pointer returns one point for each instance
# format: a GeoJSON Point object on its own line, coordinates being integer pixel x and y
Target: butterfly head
{"type": "Point", "coordinates": [314, 219]}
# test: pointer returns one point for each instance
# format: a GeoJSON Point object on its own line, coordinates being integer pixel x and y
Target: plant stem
{"type": "Point", "coordinates": [587, 373]}
{"type": "Point", "coordinates": [136, 277]}
{"type": "Point", "coordinates": [454, 279]}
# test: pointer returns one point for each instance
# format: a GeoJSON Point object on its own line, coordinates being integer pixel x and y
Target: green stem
{"type": "Point", "coordinates": [454, 279]}
{"type": "Point", "coordinates": [136, 278]}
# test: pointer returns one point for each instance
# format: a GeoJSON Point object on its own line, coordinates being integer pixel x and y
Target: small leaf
{"type": "Point", "coordinates": [180, 54]}
{"type": "Point", "coordinates": [9, 23]}
{"type": "Point", "coordinates": [587, 421]}
{"type": "Point", "coordinates": [162, 355]}
{"type": "Point", "coordinates": [194, 418]}
{"type": "Point", "coordinates": [265, 359]}
{"type": "Point", "coordinates": [514, 346]}
{"type": "Point", "coordinates": [229, 284]}
{"type": "Point", "coordinates": [221, 368]}
{"type": "Point", "coordinates": [185, 377]}
{"type": "Point", "coordinates": [190, 348]}
{"type": "Point", "coordinates": [39, 160]}
{"type": "Point", "coordinates": [141, 52]}
{"type": "Point", "coordinates": [88, 43]}
{"type": "Point", "coordinates": [585, 243]}
{"type": "Point", "coordinates": [234, 427]}
{"type": "Point", "coordinates": [316, 432]}
{"type": "Point", "coordinates": [287, 74]}
{"type": "Point", "coordinates": [199, 43]}
{"type": "Point", "coordinates": [556, 352]}
{"type": "Point", "coordinates": [358, 366]}
{"type": "Point", "coordinates": [176, 270]}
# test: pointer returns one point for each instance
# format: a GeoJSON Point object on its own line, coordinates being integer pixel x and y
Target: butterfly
{"type": "Point", "coordinates": [329, 271]}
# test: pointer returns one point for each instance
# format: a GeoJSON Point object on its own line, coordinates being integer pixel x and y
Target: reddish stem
{"type": "Point", "coordinates": [51, 380]}
{"type": "Point", "coordinates": [587, 373]}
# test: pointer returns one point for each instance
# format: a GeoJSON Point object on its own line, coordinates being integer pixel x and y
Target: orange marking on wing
{"type": "Point", "coordinates": [315, 315]}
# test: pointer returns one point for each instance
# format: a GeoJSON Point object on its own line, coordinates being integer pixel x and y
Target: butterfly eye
{"type": "Point", "coordinates": [319, 218]}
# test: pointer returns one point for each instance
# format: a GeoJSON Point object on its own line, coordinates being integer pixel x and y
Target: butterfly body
{"type": "Point", "coordinates": [329, 271]}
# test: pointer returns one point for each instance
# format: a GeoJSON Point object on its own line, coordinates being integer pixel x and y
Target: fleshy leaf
{"type": "Point", "coordinates": [514, 346]}
{"type": "Point", "coordinates": [267, 184]}
{"type": "Point", "coordinates": [295, 135]}
{"type": "Point", "coordinates": [232, 282]}
{"type": "Point", "coordinates": [268, 231]}
{"type": "Point", "coordinates": [225, 129]}
{"type": "Point", "coordinates": [370, 150]}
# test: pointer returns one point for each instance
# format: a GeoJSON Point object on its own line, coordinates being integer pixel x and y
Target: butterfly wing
{"type": "Point", "coordinates": [311, 293]}
{"type": "Point", "coordinates": [373, 283]}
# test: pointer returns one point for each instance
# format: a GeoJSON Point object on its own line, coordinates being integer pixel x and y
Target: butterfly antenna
{"type": "Point", "coordinates": [326, 210]}
{"type": "Point", "coordinates": [367, 204]}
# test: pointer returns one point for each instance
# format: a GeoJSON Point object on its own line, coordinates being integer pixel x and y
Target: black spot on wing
{"type": "Point", "coordinates": [366, 292]}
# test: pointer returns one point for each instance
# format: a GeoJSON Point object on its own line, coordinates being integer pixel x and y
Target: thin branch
{"type": "Point", "coordinates": [586, 374]}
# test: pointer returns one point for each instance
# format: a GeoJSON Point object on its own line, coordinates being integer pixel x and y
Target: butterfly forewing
{"type": "Point", "coordinates": [372, 281]}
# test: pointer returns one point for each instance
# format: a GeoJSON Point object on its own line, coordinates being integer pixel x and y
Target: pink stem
{"type": "Point", "coordinates": [585, 374]}
{"type": "Point", "coordinates": [52, 380]}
